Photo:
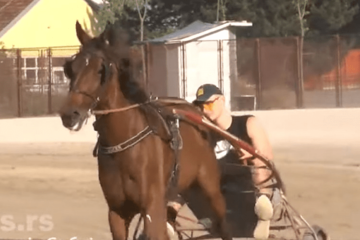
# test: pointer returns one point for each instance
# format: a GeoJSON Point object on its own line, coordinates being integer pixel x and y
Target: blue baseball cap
{"type": "Point", "coordinates": [205, 91]}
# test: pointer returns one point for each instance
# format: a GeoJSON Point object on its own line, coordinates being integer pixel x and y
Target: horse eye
{"type": "Point", "coordinates": [101, 70]}
{"type": "Point", "coordinates": [102, 73]}
{"type": "Point", "coordinates": [67, 69]}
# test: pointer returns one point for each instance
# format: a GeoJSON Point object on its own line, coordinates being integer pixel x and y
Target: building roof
{"type": "Point", "coordinates": [94, 5]}
{"type": "Point", "coordinates": [13, 10]}
{"type": "Point", "coordinates": [195, 30]}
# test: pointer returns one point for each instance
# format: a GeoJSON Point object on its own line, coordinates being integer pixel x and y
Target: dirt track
{"type": "Point", "coordinates": [61, 180]}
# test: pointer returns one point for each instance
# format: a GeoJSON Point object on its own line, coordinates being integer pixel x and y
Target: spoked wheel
{"type": "Point", "coordinates": [320, 234]}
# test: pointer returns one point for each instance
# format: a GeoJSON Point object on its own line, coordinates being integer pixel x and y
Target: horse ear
{"type": "Point", "coordinates": [115, 36]}
{"type": "Point", "coordinates": [81, 34]}
{"type": "Point", "coordinates": [105, 35]}
{"type": "Point", "coordinates": [112, 68]}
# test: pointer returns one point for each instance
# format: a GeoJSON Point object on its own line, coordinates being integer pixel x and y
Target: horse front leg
{"type": "Point", "coordinates": [153, 205]}
{"type": "Point", "coordinates": [155, 218]}
{"type": "Point", "coordinates": [210, 184]}
{"type": "Point", "coordinates": [111, 186]}
{"type": "Point", "coordinates": [118, 225]}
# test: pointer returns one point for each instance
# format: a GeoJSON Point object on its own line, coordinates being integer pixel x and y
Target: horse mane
{"type": "Point", "coordinates": [114, 46]}
{"type": "Point", "coordinates": [130, 84]}
{"type": "Point", "coordinates": [117, 48]}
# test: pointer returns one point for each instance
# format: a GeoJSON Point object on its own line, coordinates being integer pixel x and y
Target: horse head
{"type": "Point", "coordinates": [101, 68]}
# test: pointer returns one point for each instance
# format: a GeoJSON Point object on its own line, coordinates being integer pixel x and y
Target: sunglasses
{"type": "Point", "coordinates": [209, 105]}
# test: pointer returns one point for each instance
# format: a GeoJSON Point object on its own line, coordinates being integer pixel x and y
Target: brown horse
{"type": "Point", "coordinates": [140, 143]}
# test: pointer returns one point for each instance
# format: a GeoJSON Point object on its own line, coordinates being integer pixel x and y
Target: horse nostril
{"type": "Point", "coordinates": [71, 118]}
{"type": "Point", "coordinates": [76, 114]}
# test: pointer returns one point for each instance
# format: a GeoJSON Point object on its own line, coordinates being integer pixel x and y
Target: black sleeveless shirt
{"type": "Point", "coordinates": [236, 181]}
{"type": "Point", "coordinates": [238, 129]}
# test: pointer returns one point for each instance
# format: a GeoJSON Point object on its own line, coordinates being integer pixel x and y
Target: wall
{"type": "Point", "coordinates": [157, 71]}
{"type": "Point", "coordinates": [173, 65]}
{"type": "Point", "coordinates": [229, 69]}
{"type": "Point", "coordinates": [164, 66]}
{"type": "Point", "coordinates": [42, 129]}
{"type": "Point", "coordinates": [49, 23]}
{"type": "Point", "coordinates": [220, 35]}
{"type": "Point", "coordinates": [333, 127]}
{"type": "Point", "coordinates": [201, 66]}
{"type": "Point", "coordinates": [202, 63]}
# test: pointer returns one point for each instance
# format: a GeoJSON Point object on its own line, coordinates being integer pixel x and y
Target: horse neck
{"type": "Point", "coordinates": [117, 127]}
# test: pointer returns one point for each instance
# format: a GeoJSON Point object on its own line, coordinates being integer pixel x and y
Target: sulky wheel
{"type": "Point", "coordinates": [320, 234]}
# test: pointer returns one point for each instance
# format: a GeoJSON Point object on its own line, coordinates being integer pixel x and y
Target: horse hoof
{"type": "Point", "coordinates": [142, 236]}
{"type": "Point", "coordinates": [320, 234]}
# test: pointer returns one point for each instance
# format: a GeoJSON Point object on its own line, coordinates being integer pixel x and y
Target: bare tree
{"type": "Point", "coordinates": [139, 5]}
{"type": "Point", "coordinates": [301, 11]}
{"type": "Point", "coordinates": [142, 4]}
{"type": "Point", "coordinates": [222, 8]}
{"type": "Point", "coordinates": [110, 11]}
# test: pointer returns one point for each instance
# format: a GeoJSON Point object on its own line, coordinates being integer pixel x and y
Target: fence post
{"type": "Point", "coordinates": [300, 82]}
{"type": "Point", "coordinates": [338, 85]}
{"type": "Point", "coordinates": [49, 81]}
{"type": "Point", "coordinates": [19, 82]}
{"type": "Point", "coordinates": [220, 65]}
{"type": "Point", "coordinates": [258, 78]}
{"type": "Point", "coordinates": [147, 57]}
{"type": "Point", "coordinates": [184, 87]}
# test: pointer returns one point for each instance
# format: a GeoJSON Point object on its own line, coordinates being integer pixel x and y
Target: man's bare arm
{"type": "Point", "coordinates": [259, 138]}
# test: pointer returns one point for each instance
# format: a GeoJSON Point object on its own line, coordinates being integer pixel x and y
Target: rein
{"type": "Point", "coordinates": [104, 112]}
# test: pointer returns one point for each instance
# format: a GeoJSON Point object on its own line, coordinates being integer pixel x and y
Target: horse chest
{"type": "Point", "coordinates": [118, 181]}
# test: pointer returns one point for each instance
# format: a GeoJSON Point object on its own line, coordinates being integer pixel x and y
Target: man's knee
{"type": "Point", "coordinates": [173, 207]}
{"type": "Point", "coordinates": [176, 203]}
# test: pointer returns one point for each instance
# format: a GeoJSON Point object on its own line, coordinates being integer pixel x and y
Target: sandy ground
{"type": "Point", "coordinates": [60, 180]}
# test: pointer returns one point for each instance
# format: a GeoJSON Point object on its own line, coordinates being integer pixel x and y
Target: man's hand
{"type": "Point", "coordinates": [244, 154]}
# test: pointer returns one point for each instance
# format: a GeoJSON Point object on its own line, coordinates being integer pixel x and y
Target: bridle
{"type": "Point", "coordinates": [96, 99]}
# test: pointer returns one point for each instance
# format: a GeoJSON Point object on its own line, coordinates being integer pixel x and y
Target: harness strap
{"type": "Point", "coordinates": [125, 145]}
{"type": "Point", "coordinates": [176, 144]}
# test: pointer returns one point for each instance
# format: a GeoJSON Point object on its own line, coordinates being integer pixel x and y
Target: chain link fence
{"type": "Point", "coordinates": [263, 73]}
{"type": "Point", "coordinates": [32, 81]}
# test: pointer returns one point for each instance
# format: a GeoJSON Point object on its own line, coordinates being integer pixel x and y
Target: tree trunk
{"type": "Point", "coordinates": [142, 18]}
{"type": "Point", "coordinates": [301, 73]}
{"type": "Point", "coordinates": [301, 14]}
{"type": "Point", "coordinates": [143, 52]}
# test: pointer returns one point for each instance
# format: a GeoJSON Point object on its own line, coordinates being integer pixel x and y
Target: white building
{"type": "Point", "coordinates": [200, 53]}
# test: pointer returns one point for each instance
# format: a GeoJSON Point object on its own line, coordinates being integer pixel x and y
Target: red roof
{"type": "Point", "coordinates": [10, 9]}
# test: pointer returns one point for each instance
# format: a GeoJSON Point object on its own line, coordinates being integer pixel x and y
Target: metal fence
{"type": "Point", "coordinates": [32, 82]}
{"type": "Point", "coordinates": [266, 76]}
{"type": "Point", "coordinates": [270, 69]}
{"type": "Point", "coordinates": [267, 71]}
